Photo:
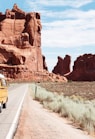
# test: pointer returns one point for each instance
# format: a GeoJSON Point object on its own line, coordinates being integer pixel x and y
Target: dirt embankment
{"type": "Point", "coordinates": [38, 123]}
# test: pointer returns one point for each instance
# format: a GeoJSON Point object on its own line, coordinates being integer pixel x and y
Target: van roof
{"type": "Point", "coordinates": [2, 76]}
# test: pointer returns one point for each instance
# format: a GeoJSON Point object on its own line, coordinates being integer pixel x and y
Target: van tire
{"type": "Point", "coordinates": [5, 105]}
{"type": "Point", "coordinates": [0, 109]}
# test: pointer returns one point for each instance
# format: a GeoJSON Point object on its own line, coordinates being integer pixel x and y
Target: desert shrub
{"type": "Point", "coordinates": [41, 94]}
{"type": "Point", "coordinates": [74, 108]}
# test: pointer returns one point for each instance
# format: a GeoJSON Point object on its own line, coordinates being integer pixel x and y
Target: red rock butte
{"type": "Point", "coordinates": [20, 45]}
{"type": "Point", "coordinates": [63, 65]}
{"type": "Point", "coordinates": [20, 42]}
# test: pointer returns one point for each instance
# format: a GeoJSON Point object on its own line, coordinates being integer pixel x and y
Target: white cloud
{"type": "Point", "coordinates": [40, 6]}
{"type": "Point", "coordinates": [69, 33]}
{"type": "Point", "coordinates": [76, 3]}
{"type": "Point", "coordinates": [71, 3]}
{"type": "Point", "coordinates": [78, 14]}
{"type": "Point", "coordinates": [60, 39]}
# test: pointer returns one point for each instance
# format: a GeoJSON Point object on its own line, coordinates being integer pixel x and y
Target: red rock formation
{"type": "Point", "coordinates": [63, 65]}
{"type": "Point", "coordinates": [20, 42]}
{"type": "Point", "coordinates": [83, 69]}
{"type": "Point", "coordinates": [44, 64]}
{"type": "Point", "coordinates": [20, 47]}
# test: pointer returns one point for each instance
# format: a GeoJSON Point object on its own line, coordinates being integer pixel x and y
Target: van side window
{"type": "Point", "coordinates": [3, 82]}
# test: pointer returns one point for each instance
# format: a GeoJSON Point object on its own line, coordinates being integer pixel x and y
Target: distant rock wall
{"type": "Point", "coordinates": [20, 42]}
{"type": "Point", "coordinates": [83, 69]}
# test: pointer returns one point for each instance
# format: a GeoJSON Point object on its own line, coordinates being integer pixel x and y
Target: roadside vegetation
{"type": "Point", "coordinates": [73, 100]}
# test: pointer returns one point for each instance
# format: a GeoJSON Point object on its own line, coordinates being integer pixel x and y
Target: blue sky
{"type": "Point", "coordinates": [68, 26]}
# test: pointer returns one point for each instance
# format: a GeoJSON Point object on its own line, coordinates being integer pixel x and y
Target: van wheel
{"type": "Point", "coordinates": [5, 105]}
{"type": "Point", "coordinates": [0, 108]}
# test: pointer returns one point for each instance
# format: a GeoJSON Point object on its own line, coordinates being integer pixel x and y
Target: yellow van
{"type": "Point", "coordinates": [3, 92]}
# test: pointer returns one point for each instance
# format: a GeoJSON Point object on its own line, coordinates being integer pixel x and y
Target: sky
{"type": "Point", "coordinates": [68, 26]}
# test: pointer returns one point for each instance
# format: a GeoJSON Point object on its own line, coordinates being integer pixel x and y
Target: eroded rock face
{"type": "Point", "coordinates": [44, 63]}
{"type": "Point", "coordinates": [63, 65]}
{"type": "Point", "coordinates": [20, 42]}
{"type": "Point", "coordinates": [83, 69]}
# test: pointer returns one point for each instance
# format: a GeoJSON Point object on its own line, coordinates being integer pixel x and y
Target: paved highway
{"type": "Point", "coordinates": [9, 116]}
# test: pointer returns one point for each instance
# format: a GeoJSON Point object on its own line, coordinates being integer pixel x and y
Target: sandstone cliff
{"type": "Point", "coordinates": [20, 47]}
{"type": "Point", "coordinates": [20, 42]}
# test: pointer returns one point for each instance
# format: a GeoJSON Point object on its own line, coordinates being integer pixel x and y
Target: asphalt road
{"type": "Point", "coordinates": [9, 116]}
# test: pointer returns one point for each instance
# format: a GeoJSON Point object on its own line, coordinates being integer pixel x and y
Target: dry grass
{"type": "Point", "coordinates": [73, 100]}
